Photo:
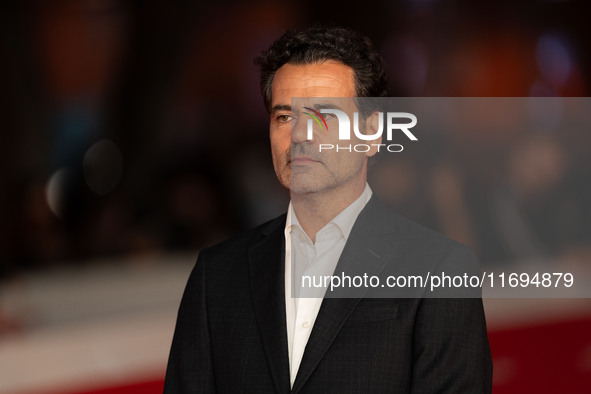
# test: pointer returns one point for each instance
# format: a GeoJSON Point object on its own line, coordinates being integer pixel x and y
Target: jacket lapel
{"type": "Point", "coordinates": [266, 266]}
{"type": "Point", "coordinates": [366, 251]}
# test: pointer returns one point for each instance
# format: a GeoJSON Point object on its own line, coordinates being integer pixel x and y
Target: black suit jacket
{"type": "Point", "coordinates": [231, 335]}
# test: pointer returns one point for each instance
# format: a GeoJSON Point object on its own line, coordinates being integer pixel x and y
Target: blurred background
{"type": "Point", "coordinates": [133, 135]}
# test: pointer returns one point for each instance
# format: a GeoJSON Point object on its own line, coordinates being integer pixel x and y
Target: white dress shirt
{"type": "Point", "coordinates": [303, 257]}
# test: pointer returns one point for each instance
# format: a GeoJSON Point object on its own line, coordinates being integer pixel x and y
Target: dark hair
{"type": "Point", "coordinates": [318, 44]}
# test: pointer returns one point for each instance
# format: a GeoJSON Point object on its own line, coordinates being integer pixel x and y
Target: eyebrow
{"type": "Point", "coordinates": [285, 107]}
{"type": "Point", "coordinates": [280, 107]}
{"type": "Point", "coordinates": [318, 107]}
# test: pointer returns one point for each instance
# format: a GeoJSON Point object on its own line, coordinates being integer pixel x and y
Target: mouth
{"type": "Point", "coordinates": [302, 160]}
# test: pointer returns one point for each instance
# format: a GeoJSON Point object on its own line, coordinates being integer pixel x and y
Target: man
{"type": "Point", "coordinates": [239, 327]}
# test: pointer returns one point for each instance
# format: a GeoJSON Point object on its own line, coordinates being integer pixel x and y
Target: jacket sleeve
{"type": "Point", "coordinates": [451, 352]}
{"type": "Point", "coordinates": [190, 364]}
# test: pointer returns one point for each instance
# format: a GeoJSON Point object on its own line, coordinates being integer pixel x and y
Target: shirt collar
{"type": "Point", "coordinates": [344, 220]}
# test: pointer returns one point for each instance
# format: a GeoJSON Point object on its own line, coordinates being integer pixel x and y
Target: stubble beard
{"type": "Point", "coordinates": [312, 178]}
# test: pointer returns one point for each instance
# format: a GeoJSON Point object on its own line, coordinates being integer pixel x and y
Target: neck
{"type": "Point", "coordinates": [316, 210]}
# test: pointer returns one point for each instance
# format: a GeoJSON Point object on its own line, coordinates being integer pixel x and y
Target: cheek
{"type": "Point", "coordinates": [280, 140]}
{"type": "Point", "coordinates": [276, 146]}
{"type": "Point", "coordinates": [348, 162]}
{"type": "Point", "coordinates": [278, 152]}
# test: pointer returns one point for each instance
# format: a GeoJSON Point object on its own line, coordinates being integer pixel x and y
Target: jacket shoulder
{"type": "Point", "coordinates": [410, 232]}
{"type": "Point", "coordinates": [236, 248]}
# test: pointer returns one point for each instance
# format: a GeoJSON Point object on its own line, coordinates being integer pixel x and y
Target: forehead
{"type": "Point", "coordinates": [328, 79]}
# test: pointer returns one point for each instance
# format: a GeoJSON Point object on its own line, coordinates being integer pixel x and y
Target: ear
{"type": "Point", "coordinates": [371, 127]}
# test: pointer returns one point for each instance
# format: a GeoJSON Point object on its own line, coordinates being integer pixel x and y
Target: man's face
{"type": "Point", "coordinates": [298, 163]}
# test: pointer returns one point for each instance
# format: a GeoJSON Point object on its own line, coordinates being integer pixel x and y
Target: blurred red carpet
{"type": "Point", "coordinates": [149, 387]}
{"type": "Point", "coordinates": [548, 358]}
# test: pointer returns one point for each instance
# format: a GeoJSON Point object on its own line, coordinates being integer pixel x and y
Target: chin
{"type": "Point", "coordinates": [307, 187]}
{"type": "Point", "coordinates": [300, 187]}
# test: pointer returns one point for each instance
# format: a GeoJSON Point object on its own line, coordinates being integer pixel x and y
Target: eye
{"type": "Point", "coordinates": [282, 118]}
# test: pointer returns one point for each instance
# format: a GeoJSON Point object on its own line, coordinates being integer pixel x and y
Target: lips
{"type": "Point", "coordinates": [303, 160]}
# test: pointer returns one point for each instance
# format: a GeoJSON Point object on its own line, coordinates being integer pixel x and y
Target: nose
{"type": "Point", "coordinates": [301, 129]}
